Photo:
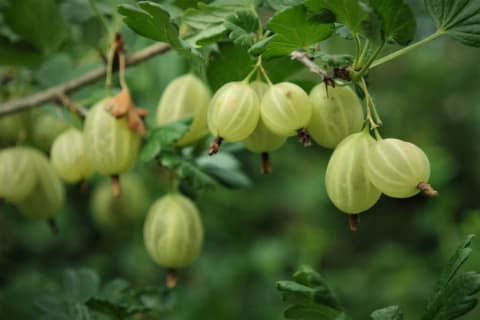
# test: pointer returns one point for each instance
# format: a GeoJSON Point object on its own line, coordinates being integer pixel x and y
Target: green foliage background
{"type": "Point", "coordinates": [260, 234]}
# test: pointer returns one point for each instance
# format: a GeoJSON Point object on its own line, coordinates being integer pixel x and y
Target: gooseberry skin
{"type": "Point", "coordinates": [48, 194]}
{"type": "Point", "coordinates": [286, 108]}
{"type": "Point", "coordinates": [17, 175]}
{"type": "Point", "coordinates": [336, 114]}
{"type": "Point", "coordinates": [68, 157]}
{"type": "Point", "coordinates": [263, 140]}
{"type": "Point", "coordinates": [173, 231]}
{"type": "Point", "coordinates": [233, 112]}
{"type": "Point", "coordinates": [397, 167]}
{"type": "Point", "coordinates": [119, 214]}
{"type": "Point", "coordinates": [346, 181]}
{"type": "Point", "coordinates": [111, 147]}
{"type": "Point", "coordinates": [45, 129]}
{"type": "Point", "coordinates": [260, 88]}
{"type": "Point", "coordinates": [13, 129]}
{"type": "Point", "coordinates": [185, 96]}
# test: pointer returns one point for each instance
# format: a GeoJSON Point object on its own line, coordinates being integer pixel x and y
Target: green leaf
{"type": "Point", "coordinates": [210, 20]}
{"type": "Point", "coordinates": [163, 139]}
{"type": "Point", "coordinates": [294, 30]}
{"type": "Point", "coordinates": [224, 168]}
{"type": "Point", "coordinates": [37, 22]}
{"type": "Point", "coordinates": [309, 297]}
{"type": "Point", "coordinates": [279, 5]}
{"type": "Point", "coordinates": [313, 312]}
{"type": "Point", "coordinates": [398, 20]}
{"type": "Point", "coordinates": [460, 19]}
{"type": "Point", "coordinates": [242, 26]}
{"type": "Point", "coordinates": [388, 313]}
{"type": "Point", "coordinates": [455, 295]}
{"type": "Point", "coordinates": [221, 70]}
{"type": "Point", "coordinates": [154, 22]}
{"type": "Point", "coordinates": [18, 53]}
{"type": "Point", "coordinates": [348, 12]}
{"type": "Point", "coordinates": [58, 68]}
{"type": "Point", "coordinates": [187, 171]}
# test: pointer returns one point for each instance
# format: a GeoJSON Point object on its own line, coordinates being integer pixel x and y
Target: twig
{"type": "Point", "coordinates": [312, 66]}
{"type": "Point", "coordinates": [70, 86]}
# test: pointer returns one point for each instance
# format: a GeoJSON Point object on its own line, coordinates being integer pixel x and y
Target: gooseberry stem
{"type": "Point", "coordinates": [405, 50]}
{"type": "Point", "coordinates": [372, 118]}
{"type": "Point", "coordinates": [171, 280]}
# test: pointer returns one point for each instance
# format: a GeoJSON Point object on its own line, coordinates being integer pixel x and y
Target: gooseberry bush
{"type": "Point", "coordinates": [261, 75]}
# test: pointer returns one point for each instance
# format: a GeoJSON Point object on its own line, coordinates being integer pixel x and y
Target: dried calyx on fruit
{"type": "Point", "coordinates": [68, 157]}
{"type": "Point", "coordinates": [111, 147]}
{"type": "Point", "coordinates": [337, 113]}
{"type": "Point", "coordinates": [263, 140]}
{"type": "Point", "coordinates": [173, 233]}
{"type": "Point", "coordinates": [286, 110]}
{"type": "Point", "coordinates": [346, 181]}
{"type": "Point", "coordinates": [399, 169]}
{"type": "Point", "coordinates": [233, 113]}
{"type": "Point", "coordinates": [186, 96]}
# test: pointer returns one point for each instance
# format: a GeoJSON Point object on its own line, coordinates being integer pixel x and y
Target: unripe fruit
{"type": "Point", "coordinates": [48, 194]}
{"type": "Point", "coordinates": [285, 109]}
{"type": "Point", "coordinates": [45, 129]}
{"type": "Point", "coordinates": [185, 96]}
{"type": "Point", "coordinates": [233, 112]}
{"type": "Point", "coordinates": [17, 174]}
{"type": "Point", "coordinates": [337, 113]}
{"type": "Point", "coordinates": [397, 167]}
{"type": "Point", "coordinates": [263, 140]}
{"type": "Point", "coordinates": [68, 157]}
{"type": "Point", "coordinates": [119, 214]}
{"type": "Point", "coordinates": [173, 231]}
{"type": "Point", "coordinates": [346, 178]}
{"type": "Point", "coordinates": [111, 147]}
{"type": "Point", "coordinates": [13, 129]}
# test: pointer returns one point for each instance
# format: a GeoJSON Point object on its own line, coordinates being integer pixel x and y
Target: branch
{"type": "Point", "coordinates": [312, 66]}
{"type": "Point", "coordinates": [75, 84]}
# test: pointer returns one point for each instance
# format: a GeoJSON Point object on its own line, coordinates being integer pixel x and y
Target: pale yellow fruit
{"type": "Point", "coordinates": [233, 112]}
{"type": "Point", "coordinates": [397, 167]}
{"type": "Point", "coordinates": [186, 96]}
{"type": "Point", "coordinates": [346, 181]}
{"type": "Point", "coordinates": [68, 157]}
{"type": "Point", "coordinates": [337, 113]}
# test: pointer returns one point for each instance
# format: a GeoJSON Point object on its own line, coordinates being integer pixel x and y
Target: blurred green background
{"type": "Point", "coordinates": [258, 235]}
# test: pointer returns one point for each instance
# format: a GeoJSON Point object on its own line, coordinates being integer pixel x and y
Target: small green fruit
{"type": "Point", "coordinates": [397, 168]}
{"type": "Point", "coordinates": [119, 214]}
{"type": "Point", "coordinates": [173, 231]}
{"type": "Point", "coordinates": [233, 112]}
{"type": "Point", "coordinates": [186, 96]}
{"type": "Point", "coordinates": [17, 174]}
{"type": "Point", "coordinates": [111, 147]}
{"type": "Point", "coordinates": [68, 157]}
{"type": "Point", "coordinates": [336, 114]}
{"type": "Point", "coordinates": [13, 129]}
{"type": "Point", "coordinates": [45, 129]}
{"type": "Point", "coordinates": [285, 109]}
{"type": "Point", "coordinates": [48, 194]}
{"type": "Point", "coordinates": [346, 178]}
